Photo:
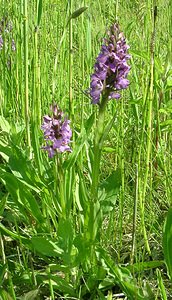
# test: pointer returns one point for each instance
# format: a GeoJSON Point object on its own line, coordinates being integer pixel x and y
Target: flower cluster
{"type": "Point", "coordinates": [57, 132]}
{"type": "Point", "coordinates": [6, 28]}
{"type": "Point", "coordinates": [111, 68]}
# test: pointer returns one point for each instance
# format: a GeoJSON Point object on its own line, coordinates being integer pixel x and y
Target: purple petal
{"type": "Point", "coordinates": [114, 95]}
{"type": "Point", "coordinates": [122, 83]}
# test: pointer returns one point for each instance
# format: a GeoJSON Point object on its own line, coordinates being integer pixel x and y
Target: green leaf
{"type": "Point", "coordinates": [46, 246]}
{"type": "Point", "coordinates": [124, 279]}
{"type": "Point", "coordinates": [93, 219]}
{"type": "Point", "coordinates": [5, 296]}
{"type": "Point", "coordinates": [5, 150]}
{"type": "Point", "coordinates": [30, 295]}
{"type": "Point", "coordinates": [167, 242]}
{"type": "Point", "coordinates": [39, 12]}
{"type": "Point", "coordinates": [52, 268]}
{"type": "Point", "coordinates": [4, 125]}
{"type": "Point", "coordinates": [109, 149]}
{"type": "Point", "coordinates": [112, 182]}
{"type": "Point", "coordinates": [82, 245]}
{"type": "Point", "coordinates": [3, 271]}
{"type": "Point", "coordinates": [14, 235]}
{"type": "Point", "coordinates": [65, 238]}
{"type": "Point", "coordinates": [21, 195]}
{"type": "Point", "coordinates": [69, 183]}
{"type": "Point", "coordinates": [106, 131]}
{"type": "Point", "coordinates": [166, 123]}
{"type": "Point", "coordinates": [107, 283]}
{"type": "Point", "coordinates": [2, 203]}
{"type": "Point", "coordinates": [23, 169]}
{"type": "Point", "coordinates": [101, 295]}
{"type": "Point", "coordinates": [161, 285]}
{"type": "Point", "coordinates": [142, 266]}
{"type": "Point", "coordinates": [81, 196]}
{"type": "Point", "coordinates": [83, 137]}
{"type": "Point", "coordinates": [11, 184]}
{"type": "Point", "coordinates": [108, 191]}
{"type": "Point", "coordinates": [61, 285]}
{"type": "Point", "coordinates": [169, 82]}
{"type": "Point", "coordinates": [141, 54]}
{"type": "Point", "coordinates": [20, 166]}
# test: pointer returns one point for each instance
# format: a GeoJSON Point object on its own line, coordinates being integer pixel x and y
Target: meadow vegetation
{"type": "Point", "coordinates": [93, 222]}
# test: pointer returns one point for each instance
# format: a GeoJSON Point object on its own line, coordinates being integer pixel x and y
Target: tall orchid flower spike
{"type": "Point", "coordinates": [111, 68]}
{"type": "Point", "coordinates": [109, 78]}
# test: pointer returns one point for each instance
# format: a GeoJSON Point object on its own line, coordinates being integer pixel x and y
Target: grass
{"type": "Point", "coordinates": [56, 243]}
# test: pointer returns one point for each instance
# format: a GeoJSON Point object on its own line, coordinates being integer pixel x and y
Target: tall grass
{"type": "Point", "coordinates": [89, 224]}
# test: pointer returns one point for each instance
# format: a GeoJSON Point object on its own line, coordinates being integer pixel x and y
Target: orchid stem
{"type": "Point", "coordinates": [98, 148]}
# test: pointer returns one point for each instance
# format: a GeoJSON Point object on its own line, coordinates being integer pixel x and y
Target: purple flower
{"type": "Point", "coordinates": [111, 68]}
{"type": "Point", "coordinates": [57, 132]}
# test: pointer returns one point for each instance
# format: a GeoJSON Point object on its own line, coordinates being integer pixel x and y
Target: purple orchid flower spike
{"type": "Point", "coordinates": [111, 68]}
{"type": "Point", "coordinates": [57, 132]}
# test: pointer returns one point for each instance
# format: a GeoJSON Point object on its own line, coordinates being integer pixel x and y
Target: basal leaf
{"type": "Point", "coordinates": [14, 235]}
{"type": "Point", "coordinates": [94, 219]}
{"type": "Point", "coordinates": [46, 246]}
{"type": "Point", "coordinates": [167, 242]}
{"type": "Point", "coordinates": [21, 195]}
{"type": "Point", "coordinates": [30, 295]}
{"type": "Point", "coordinates": [4, 125]}
{"type": "Point", "coordinates": [161, 285]}
{"type": "Point", "coordinates": [124, 279]}
{"type": "Point", "coordinates": [146, 265]}
{"type": "Point", "coordinates": [61, 285]}
{"type": "Point", "coordinates": [65, 238]}
{"type": "Point", "coordinates": [5, 150]}
{"type": "Point", "coordinates": [108, 191]}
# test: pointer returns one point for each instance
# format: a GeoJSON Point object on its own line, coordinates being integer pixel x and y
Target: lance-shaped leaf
{"type": "Point", "coordinates": [167, 242]}
{"type": "Point", "coordinates": [39, 12]}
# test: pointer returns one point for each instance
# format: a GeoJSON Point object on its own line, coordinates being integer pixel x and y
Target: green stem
{"type": "Point", "coordinates": [27, 119]}
{"type": "Point", "coordinates": [97, 149]}
{"type": "Point", "coordinates": [134, 217]}
{"type": "Point", "coordinates": [117, 8]}
{"type": "Point", "coordinates": [36, 102]}
{"type": "Point", "coordinates": [149, 136]}
{"type": "Point", "coordinates": [50, 284]}
{"type": "Point", "coordinates": [82, 65]}
{"type": "Point", "coordinates": [59, 186]}
{"type": "Point", "coordinates": [71, 108]}
{"type": "Point", "coordinates": [36, 87]}
{"type": "Point", "coordinates": [121, 154]}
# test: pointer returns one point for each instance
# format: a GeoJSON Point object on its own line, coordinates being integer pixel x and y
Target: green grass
{"type": "Point", "coordinates": [57, 241]}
